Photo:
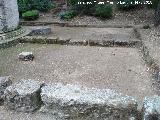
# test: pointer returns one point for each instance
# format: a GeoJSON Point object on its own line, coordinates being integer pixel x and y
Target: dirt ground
{"type": "Point", "coordinates": [151, 39]}
{"type": "Point", "coordinates": [120, 69]}
{"type": "Point", "coordinates": [84, 34]}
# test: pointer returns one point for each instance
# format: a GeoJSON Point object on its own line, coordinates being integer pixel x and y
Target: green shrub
{"type": "Point", "coordinates": [30, 15]}
{"type": "Point", "coordinates": [67, 14]}
{"type": "Point", "coordinates": [104, 11]}
{"type": "Point", "coordinates": [72, 2]}
{"type": "Point", "coordinates": [24, 5]}
{"type": "Point", "coordinates": [154, 4]}
{"type": "Point", "coordinates": [41, 5]}
{"type": "Point", "coordinates": [87, 9]}
{"type": "Point", "coordinates": [129, 4]}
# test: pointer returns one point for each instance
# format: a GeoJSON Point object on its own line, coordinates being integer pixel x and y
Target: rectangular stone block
{"type": "Point", "coordinates": [26, 56]}
{"type": "Point", "coordinates": [40, 30]}
{"type": "Point", "coordinates": [4, 83]}
{"type": "Point", "coordinates": [23, 96]}
{"type": "Point", "coordinates": [75, 102]}
{"type": "Point", "coordinates": [151, 108]}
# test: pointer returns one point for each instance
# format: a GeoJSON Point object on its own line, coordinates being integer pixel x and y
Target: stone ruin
{"type": "Point", "coordinates": [74, 102]}
{"type": "Point", "coordinates": [9, 15]}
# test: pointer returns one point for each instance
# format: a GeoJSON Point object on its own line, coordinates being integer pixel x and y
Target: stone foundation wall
{"type": "Point", "coordinates": [73, 102]}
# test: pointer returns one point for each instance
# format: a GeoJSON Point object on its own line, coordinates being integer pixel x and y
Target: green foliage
{"type": "Point", "coordinates": [104, 11]}
{"type": "Point", "coordinates": [154, 4]}
{"type": "Point", "coordinates": [129, 4]}
{"type": "Point", "coordinates": [41, 5]}
{"type": "Point", "coordinates": [157, 15]}
{"type": "Point", "coordinates": [87, 9]}
{"type": "Point", "coordinates": [67, 14]}
{"type": "Point", "coordinates": [72, 2]}
{"type": "Point", "coordinates": [30, 15]}
{"type": "Point", "coordinates": [24, 5]}
{"type": "Point", "coordinates": [92, 8]}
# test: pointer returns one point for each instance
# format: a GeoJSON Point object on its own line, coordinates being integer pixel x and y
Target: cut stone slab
{"type": "Point", "coordinates": [40, 30]}
{"type": "Point", "coordinates": [23, 96]}
{"type": "Point", "coordinates": [26, 56]}
{"type": "Point", "coordinates": [4, 83]}
{"type": "Point", "coordinates": [77, 102]}
{"type": "Point", "coordinates": [151, 108]}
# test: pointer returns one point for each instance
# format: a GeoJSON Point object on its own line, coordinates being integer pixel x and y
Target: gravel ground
{"type": "Point", "coordinates": [120, 69]}
{"type": "Point", "coordinates": [151, 38]}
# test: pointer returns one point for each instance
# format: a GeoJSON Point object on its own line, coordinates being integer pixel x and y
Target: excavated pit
{"type": "Point", "coordinates": [109, 59]}
{"type": "Point", "coordinates": [120, 69]}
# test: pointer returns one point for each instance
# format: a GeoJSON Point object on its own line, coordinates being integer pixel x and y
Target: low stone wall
{"type": "Point", "coordinates": [23, 96]}
{"type": "Point", "coordinates": [75, 102]}
{"type": "Point", "coordinates": [12, 38]}
{"type": "Point", "coordinates": [69, 41]}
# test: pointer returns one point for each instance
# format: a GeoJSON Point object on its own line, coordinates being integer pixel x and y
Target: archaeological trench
{"type": "Point", "coordinates": [76, 73]}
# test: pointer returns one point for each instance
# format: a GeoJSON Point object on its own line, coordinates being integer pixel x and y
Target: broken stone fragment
{"type": "Point", "coordinates": [4, 83]}
{"type": "Point", "coordinates": [151, 108]}
{"type": "Point", "coordinates": [76, 102]}
{"type": "Point", "coordinates": [26, 56]}
{"type": "Point", "coordinates": [23, 96]}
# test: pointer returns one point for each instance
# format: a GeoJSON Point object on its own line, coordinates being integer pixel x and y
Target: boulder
{"type": "Point", "coordinates": [26, 56]}
{"type": "Point", "coordinates": [151, 108]}
{"type": "Point", "coordinates": [76, 102]}
{"type": "Point", "coordinates": [23, 96]}
{"type": "Point", "coordinates": [4, 83]}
